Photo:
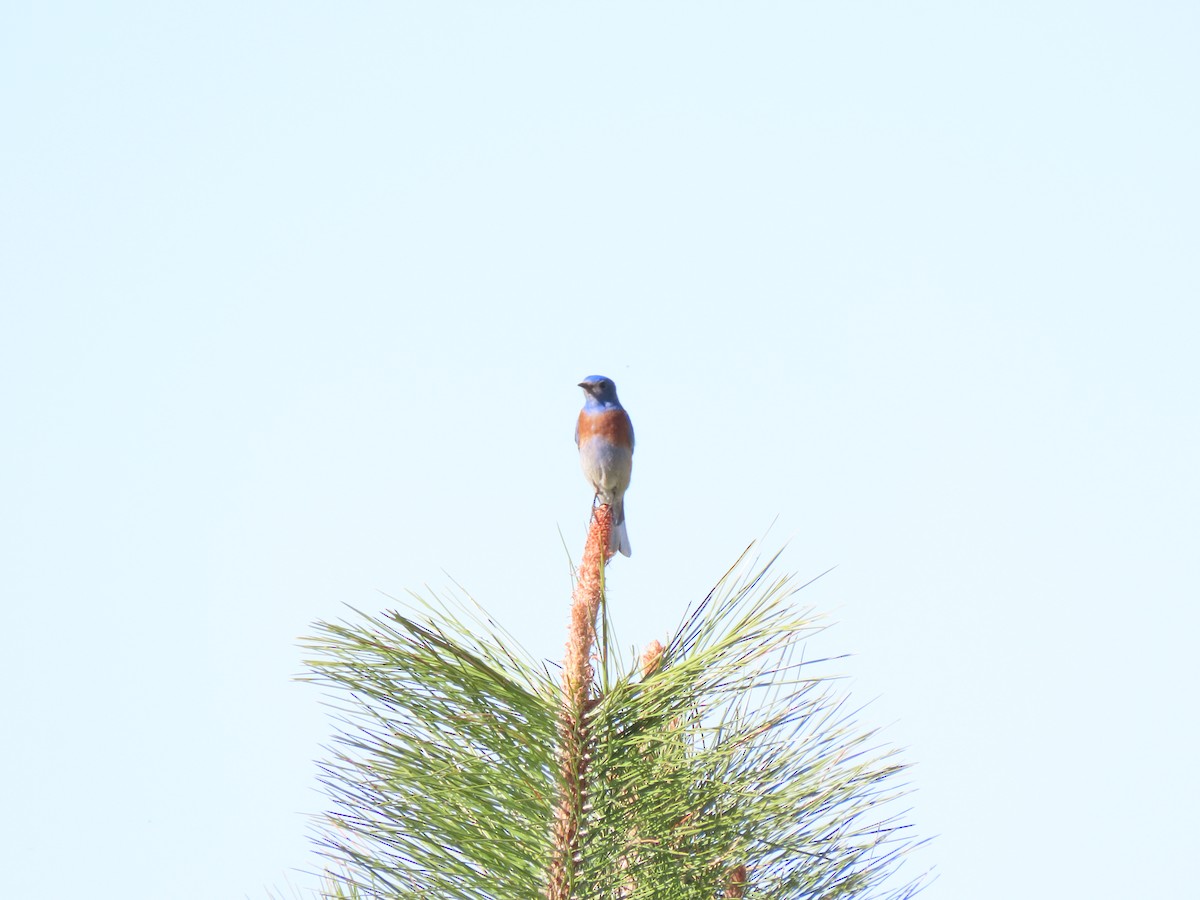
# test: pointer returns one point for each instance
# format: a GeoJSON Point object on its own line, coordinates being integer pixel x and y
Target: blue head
{"type": "Point", "coordinates": [600, 391]}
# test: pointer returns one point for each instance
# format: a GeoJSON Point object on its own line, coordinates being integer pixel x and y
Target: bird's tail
{"type": "Point", "coordinates": [618, 538]}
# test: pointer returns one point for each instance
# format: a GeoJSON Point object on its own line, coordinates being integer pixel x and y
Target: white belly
{"type": "Point", "coordinates": [607, 467]}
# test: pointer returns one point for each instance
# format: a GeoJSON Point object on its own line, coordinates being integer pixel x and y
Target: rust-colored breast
{"type": "Point", "coordinates": [611, 424]}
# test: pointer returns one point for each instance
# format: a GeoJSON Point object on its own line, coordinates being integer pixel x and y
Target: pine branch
{"type": "Point", "coordinates": [576, 703]}
{"type": "Point", "coordinates": [720, 765]}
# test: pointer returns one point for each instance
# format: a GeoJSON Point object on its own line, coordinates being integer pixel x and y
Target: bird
{"type": "Point", "coordinates": [604, 436]}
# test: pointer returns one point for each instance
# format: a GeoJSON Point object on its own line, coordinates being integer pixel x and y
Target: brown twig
{"type": "Point", "coordinates": [735, 886]}
{"type": "Point", "coordinates": [577, 700]}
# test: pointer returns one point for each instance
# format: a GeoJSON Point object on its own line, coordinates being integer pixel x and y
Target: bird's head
{"type": "Point", "coordinates": [601, 390]}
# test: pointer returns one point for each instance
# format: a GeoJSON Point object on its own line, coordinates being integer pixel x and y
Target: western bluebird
{"type": "Point", "coordinates": [604, 436]}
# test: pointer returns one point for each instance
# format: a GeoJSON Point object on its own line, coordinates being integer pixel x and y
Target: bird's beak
{"type": "Point", "coordinates": [584, 385]}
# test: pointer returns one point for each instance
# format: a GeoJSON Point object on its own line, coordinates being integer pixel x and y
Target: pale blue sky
{"type": "Point", "coordinates": [293, 302]}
